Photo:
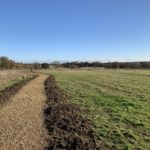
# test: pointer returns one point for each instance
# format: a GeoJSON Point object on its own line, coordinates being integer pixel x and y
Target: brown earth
{"type": "Point", "coordinates": [22, 119]}
{"type": "Point", "coordinates": [68, 130]}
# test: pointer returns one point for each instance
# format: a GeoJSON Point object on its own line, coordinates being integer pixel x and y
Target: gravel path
{"type": "Point", "coordinates": [22, 120]}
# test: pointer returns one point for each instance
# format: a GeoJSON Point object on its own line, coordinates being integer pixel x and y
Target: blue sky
{"type": "Point", "coordinates": [48, 30]}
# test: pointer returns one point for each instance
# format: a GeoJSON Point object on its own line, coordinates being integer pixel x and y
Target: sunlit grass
{"type": "Point", "coordinates": [118, 103]}
{"type": "Point", "coordinates": [10, 83]}
{"type": "Point", "coordinates": [10, 77]}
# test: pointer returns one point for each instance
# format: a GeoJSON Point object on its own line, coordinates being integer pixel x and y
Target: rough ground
{"type": "Point", "coordinates": [21, 120]}
{"type": "Point", "coordinates": [67, 128]}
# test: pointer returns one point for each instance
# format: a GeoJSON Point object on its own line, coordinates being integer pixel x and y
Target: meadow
{"type": "Point", "coordinates": [9, 77]}
{"type": "Point", "coordinates": [116, 101]}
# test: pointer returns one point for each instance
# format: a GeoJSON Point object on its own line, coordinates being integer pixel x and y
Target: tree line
{"type": "Point", "coordinates": [114, 65]}
{"type": "Point", "coordinates": [6, 63]}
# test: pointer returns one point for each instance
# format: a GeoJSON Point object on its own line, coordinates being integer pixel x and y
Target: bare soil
{"type": "Point", "coordinates": [22, 119]}
{"type": "Point", "coordinates": [68, 130]}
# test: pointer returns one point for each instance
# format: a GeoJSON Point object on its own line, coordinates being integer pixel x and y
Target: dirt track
{"type": "Point", "coordinates": [22, 120]}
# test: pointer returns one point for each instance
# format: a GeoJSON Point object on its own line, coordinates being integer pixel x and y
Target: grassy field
{"type": "Point", "coordinates": [118, 103]}
{"type": "Point", "coordinates": [9, 77]}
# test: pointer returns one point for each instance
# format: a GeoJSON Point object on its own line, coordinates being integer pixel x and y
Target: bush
{"type": "Point", "coordinates": [45, 66]}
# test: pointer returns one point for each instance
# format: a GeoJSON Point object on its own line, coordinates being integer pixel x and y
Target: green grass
{"type": "Point", "coordinates": [118, 103]}
{"type": "Point", "coordinates": [12, 82]}
{"type": "Point", "coordinates": [9, 83]}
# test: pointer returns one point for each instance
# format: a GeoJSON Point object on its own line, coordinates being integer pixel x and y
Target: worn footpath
{"type": "Point", "coordinates": [22, 119]}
